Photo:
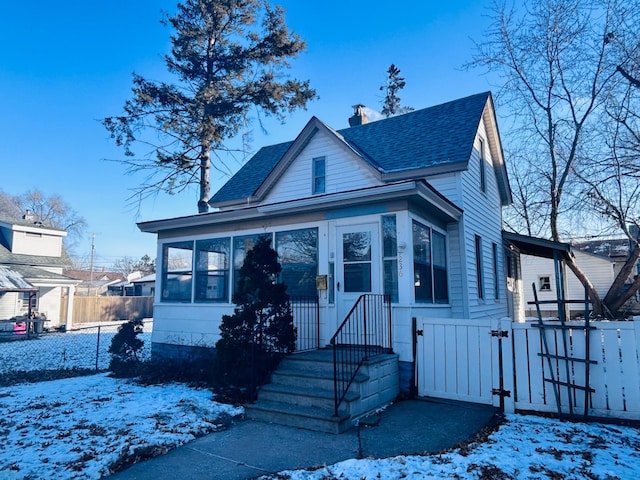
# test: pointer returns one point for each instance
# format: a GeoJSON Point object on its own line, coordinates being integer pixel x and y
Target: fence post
{"type": "Point", "coordinates": [508, 366]}
{"type": "Point", "coordinates": [98, 348]}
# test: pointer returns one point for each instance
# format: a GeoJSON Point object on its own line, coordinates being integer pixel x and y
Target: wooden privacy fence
{"type": "Point", "coordinates": [108, 309]}
{"type": "Point", "coordinates": [493, 362]}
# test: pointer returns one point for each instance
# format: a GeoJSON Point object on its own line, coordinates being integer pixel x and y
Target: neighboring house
{"type": "Point", "coordinates": [540, 272]}
{"type": "Point", "coordinates": [409, 206]}
{"type": "Point", "coordinates": [145, 286]}
{"type": "Point", "coordinates": [135, 287]}
{"type": "Point", "coordinates": [32, 260]}
{"type": "Point", "coordinates": [96, 282]}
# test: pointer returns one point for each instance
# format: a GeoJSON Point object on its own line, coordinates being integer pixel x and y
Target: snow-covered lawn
{"type": "Point", "coordinates": [525, 447]}
{"type": "Point", "coordinates": [82, 427]}
{"type": "Point", "coordinates": [79, 348]}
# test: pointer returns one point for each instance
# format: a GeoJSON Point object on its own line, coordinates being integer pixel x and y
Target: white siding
{"type": "Point", "coordinates": [34, 243]}
{"type": "Point", "coordinates": [9, 305]}
{"type": "Point", "coordinates": [343, 171]}
{"type": "Point", "coordinates": [448, 185]}
{"type": "Point", "coordinates": [483, 217]}
{"type": "Point", "coordinates": [599, 270]}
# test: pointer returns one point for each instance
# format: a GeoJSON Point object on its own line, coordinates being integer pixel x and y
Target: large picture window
{"type": "Point", "coordinates": [212, 271]}
{"type": "Point", "coordinates": [177, 271]}
{"type": "Point", "coordinates": [429, 265]}
{"type": "Point", "coordinates": [298, 257]}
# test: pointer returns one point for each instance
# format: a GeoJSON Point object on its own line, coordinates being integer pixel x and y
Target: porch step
{"type": "Point", "coordinates": [310, 418]}
{"type": "Point", "coordinates": [301, 393]}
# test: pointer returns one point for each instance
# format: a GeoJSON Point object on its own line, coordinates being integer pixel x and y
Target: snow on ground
{"type": "Point", "coordinates": [83, 347]}
{"type": "Point", "coordinates": [80, 427]}
{"type": "Point", "coordinates": [525, 447]}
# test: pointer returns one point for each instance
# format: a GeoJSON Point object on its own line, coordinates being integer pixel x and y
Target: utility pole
{"type": "Point", "coordinates": [93, 249]}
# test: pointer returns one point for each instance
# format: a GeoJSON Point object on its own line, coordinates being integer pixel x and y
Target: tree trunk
{"type": "Point", "coordinates": [617, 295]}
{"type": "Point", "coordinates": [205, 182]}
{"type": "Point", "coordinates": [597, 306]}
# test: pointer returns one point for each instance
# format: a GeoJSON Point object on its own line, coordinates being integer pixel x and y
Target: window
{"type": "Point", "coordinates": [496, 277]}
{"type": "Point", "coordinates": [390, 256]}
{"type": "Point", "coordinates": [544, 283]}
{"type": "Point", "coordinates": [331, 282]}
{"type": "Point", "coordinates": [212, 271]}
{"type": "Point", "coordinates": [356, 255]}
{"type": "Point", "coordinates": [440, 288]}
{"type": "Point", "coordinates": [298, 256]}
{"type": "Point", "coordinates": [483, 174]}
{"type": "Point", "coordinates": [29, 298]}
{"type": "Point", "coordinates": [479, 276]}
{"type": "Point", "coordinates": [177, 265]}
{"type": "Point", "coordinates": [241, 245]}
{"type": "Point", "coordinates": [429, 265]}
{"type": "Point", "coordinates": [319, 175]}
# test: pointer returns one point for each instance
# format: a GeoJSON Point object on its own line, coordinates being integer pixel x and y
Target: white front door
{"type": "Point", "coordinates": [357, 266]}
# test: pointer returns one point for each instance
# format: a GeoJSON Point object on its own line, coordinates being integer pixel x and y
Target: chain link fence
{"type": "Point", "coordinates": [82, 348]}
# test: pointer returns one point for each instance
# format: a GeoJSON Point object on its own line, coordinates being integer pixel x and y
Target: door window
{"type": "Point", "coordinates": [356, 254]}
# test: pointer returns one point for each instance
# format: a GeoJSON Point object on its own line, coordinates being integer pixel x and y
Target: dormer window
{"type": "Point", "coordinates": [319, 175]}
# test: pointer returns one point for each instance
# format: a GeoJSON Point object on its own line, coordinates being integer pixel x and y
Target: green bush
{"type": "Point", "coordinates": [124, 349]}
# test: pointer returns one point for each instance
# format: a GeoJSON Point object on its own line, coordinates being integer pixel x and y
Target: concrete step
{"type": "Point", "coordinates": [305, 396]}
{"type": "Point", "coordinates": [303, 378]}
{"type": "Point", "coordinates": [310, 418]}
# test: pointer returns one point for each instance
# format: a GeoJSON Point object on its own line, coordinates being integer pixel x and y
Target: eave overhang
{"type": "Point", "coordinates": [538, 247]}
{"type": "Point", "coordinates": [418, 191]}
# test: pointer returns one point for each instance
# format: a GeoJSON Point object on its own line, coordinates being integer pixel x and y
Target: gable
{"type": "Point", "coordinates": [343, 171]}
{"type": "Point", "coordinates": [425, 142]}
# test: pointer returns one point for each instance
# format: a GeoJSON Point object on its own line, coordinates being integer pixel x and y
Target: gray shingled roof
{"type": "Point", "coordinates": [439, 135]}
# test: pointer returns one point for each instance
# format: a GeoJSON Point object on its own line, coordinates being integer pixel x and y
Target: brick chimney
{"type": "Point", "coordinates": [359, 117]}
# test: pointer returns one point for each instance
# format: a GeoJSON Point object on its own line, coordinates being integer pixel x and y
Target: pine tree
{"type": "Point", "coordinates": [260, 331]}
{"type": "Point", "coordinates": [395, 83]}
{"type": "Point", "coordinates": [228, 58]}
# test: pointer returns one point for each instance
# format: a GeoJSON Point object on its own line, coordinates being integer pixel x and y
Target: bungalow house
{"type": "Point", "coordinates": [31, 280]}
{"type": "Point", "coordinates": [409, 207]}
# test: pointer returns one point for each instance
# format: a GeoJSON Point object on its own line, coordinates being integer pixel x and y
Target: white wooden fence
{"type": "Point", "coordinates": [462, 360]}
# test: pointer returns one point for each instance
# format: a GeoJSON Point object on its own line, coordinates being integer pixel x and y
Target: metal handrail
{"type": "Point", "coordinates": [365, 331]}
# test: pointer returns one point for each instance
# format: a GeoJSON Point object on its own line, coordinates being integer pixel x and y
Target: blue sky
{"type": "Point", "coordinates": [65, 65]}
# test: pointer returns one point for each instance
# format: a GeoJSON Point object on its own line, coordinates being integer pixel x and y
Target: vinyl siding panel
{"type": "Point", "coordinates": [448, 185]}
{"type": "Point", "coordinates": [483, 217]}
{"type": "Point", "coordinates": [344, 171]}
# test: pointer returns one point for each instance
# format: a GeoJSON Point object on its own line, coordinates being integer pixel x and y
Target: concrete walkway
{"type": "Point", "coordinates": [251, 448]}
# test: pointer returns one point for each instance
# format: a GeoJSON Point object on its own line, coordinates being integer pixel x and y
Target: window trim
{"type": "Point", "coordinates": [496, 271]}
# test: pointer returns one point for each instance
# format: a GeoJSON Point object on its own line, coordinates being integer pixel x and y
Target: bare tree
{"type": "Point", "coordinates": [559, 69]}
{"type": "Point", "coordinates": [50, 210]}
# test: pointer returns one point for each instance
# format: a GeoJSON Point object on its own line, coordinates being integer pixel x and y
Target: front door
{"type": "Point", "coordinates": [357, 266]}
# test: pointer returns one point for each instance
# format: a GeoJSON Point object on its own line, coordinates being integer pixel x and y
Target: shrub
{"type": "Point", "coordinates": [260, 331]}
{"type": "Point", "coordinates": [124, 349]}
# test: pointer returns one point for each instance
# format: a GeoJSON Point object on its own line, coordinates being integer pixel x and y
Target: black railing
{"type": "Point", "coordinates": [306, 319]}
{"type": "Point", "coordinates": [365, 332]}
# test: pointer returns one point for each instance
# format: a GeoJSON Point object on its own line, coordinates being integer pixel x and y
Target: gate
{"type": "Point", "coordinates": [464, 360]}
